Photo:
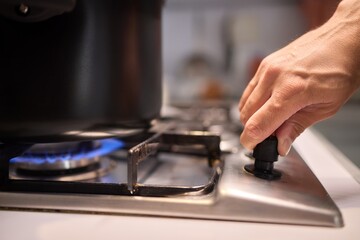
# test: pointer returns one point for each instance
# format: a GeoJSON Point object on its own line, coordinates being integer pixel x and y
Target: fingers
{"type": "Point", "coordinates": [260, 90]}
{"type": "Point", "coordinates": [251, 86]}
{"type": "Point", "coordinates": [248, 90]}
{"type": "Point", "coordinates": [259, 96]}
{"type": "Point", "coordinates": [266, 120]}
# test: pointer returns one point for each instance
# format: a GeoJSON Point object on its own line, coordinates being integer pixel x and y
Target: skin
{"type": "Point", "coordinates": [305, 82]}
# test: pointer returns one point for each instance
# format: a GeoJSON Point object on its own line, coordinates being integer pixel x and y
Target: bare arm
{"type": "Point", "coordinates": [305, 82]}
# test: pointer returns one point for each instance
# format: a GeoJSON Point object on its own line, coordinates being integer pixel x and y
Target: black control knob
{"type": "Point", "coordinates": [265, 154]}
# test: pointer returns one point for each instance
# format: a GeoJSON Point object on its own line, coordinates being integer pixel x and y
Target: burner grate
{"type": "Point", "coordinates": [195, 142]}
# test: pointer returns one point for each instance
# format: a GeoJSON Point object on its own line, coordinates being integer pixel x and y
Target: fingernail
{"type": "Point", "coordinates": [287, 152]}
{"type": "Point", "coordinates": [245, 143]}
{"type": "Point", "coordinates": [286, 145]}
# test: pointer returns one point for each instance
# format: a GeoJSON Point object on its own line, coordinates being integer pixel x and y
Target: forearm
{"type": "Point", "coordinates": [340, 36]}
{"type": "Point", "coordinates": [349, 9]}
{"type": "Point", "coordinates": [347, 20]}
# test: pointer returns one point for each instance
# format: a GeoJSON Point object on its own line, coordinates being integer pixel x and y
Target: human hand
{"type": "Point", "coordinates": [305, 82]}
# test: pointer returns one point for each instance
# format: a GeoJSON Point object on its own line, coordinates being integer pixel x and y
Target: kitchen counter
{"type": "Point", "coordinates": [334, 170]}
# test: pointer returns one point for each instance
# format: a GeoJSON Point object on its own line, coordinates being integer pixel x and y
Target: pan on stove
{"type": "Point", "coordinates": [78, 69]}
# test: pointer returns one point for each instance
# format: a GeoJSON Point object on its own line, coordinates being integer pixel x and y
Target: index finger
{"type": "Point", "coordinates": [248, 90]}
{"type": "Point", "coordinates": [266, 120]}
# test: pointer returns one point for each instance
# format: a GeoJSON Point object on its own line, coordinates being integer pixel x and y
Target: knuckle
{"type": "Point", "coordinates": [333, 110]}
{"type": "Point", "coordinates": [254, 131]}
{"type": "Point", "coordinates": [243, 118]}
{"type": "Point", "coordinates": [297, 129]}
{"type": "Point", "coordinates": [298, 88]}
{"type": "Point", "coordinates": [291, 93]}
{"type": "Point", "coordinates": [278, 104]}
{"type": "Point", "coordinates": [252, 84]}
{"type": "Point", "coordinates": [271, 67]}
{"type": "Point", "coordinates": [266, 62]}
{"type": "Point", "coordinates": [273, 71]}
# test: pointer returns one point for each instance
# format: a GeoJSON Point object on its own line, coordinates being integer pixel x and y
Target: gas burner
{"type": "Point", "coordinates": [178, 168]}
{"type": "Point", "coordinates": [65, 161]}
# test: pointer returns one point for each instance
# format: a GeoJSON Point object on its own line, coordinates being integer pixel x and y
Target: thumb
{"type": "Point", "coordinates": [292, 128]}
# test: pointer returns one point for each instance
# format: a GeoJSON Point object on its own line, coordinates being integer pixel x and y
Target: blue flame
{"type": "Point", "coordinates": [106, 146]}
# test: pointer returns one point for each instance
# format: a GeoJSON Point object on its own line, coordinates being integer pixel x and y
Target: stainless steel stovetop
{"type": "Point", "coordinates": [190, 166]}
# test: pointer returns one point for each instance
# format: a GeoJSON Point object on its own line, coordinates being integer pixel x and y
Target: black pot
{"type": "Point", "coordinates": [94, 68]}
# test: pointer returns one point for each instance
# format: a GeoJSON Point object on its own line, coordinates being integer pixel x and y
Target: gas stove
{"type": "Point", "coordinates": [188, 165]}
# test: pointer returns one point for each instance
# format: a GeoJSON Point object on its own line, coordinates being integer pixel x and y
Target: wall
{"type": "Point", "coordinates": [229, 34]}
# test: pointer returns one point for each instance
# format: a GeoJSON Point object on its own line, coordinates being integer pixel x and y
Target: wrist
{"type": "Point", "coordinates": [344, 26]}
{"type": "Point", "coordinates": [347, 16]}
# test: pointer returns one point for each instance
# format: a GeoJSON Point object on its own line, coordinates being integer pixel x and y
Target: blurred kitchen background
{"type": "Point", "coordinates": [211, 49]}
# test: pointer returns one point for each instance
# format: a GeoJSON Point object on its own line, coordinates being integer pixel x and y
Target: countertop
{"type": "Point", "coordinates": [333, 169]}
